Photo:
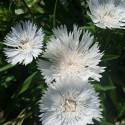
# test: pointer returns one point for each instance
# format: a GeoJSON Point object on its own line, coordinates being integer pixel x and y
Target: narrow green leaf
{"type": "Point", "coordinates": [104, 88]}
{"type": "Point", "coordinates": [110, 57]}
{"type": "Point", "coordinates": [90, 28]}
{"type": "Point", "coordinates": [26, 83]}
{"type": "Point", "coordinates": [6, 67]}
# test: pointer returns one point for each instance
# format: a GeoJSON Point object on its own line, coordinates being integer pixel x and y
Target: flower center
{"type": "Point", "coordinates": [25, 46]}
{"type": "Point", "coordinates": [70, 105]}
{"type": "Point", "coordinates": [108, 16]}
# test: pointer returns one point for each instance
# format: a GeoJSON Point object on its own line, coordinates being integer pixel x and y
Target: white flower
{"type": "Point", "coordinates": [71, 102]}
{"type": "Point", "coordinates": [107, 13]}
{"type": "Point", "coordinates": [71, 54]}
{"type": "Point", "coordinates": [24, 43]}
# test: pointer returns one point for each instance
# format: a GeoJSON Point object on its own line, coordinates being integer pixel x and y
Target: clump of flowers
{"type": "Point", "coordinates": [107, 13]}
{"type": "Point", "coordinates": [70, 60]}
{"type": "Point", "coordinates": [24, 43]}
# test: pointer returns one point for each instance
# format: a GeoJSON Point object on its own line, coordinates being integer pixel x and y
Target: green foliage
{"type": "Point", "coordinates": [26, 83]}
{"type": "Point", "coordinates": [21, 87]}
{"type": "Point", "coordinates": [6, 67]}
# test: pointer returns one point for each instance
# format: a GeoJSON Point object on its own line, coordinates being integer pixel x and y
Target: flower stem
{"type": "Point", "coordinates": [54, 13]}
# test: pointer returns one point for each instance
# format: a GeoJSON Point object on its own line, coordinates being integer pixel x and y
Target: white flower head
{"type": "Point", "coordinates": [24, 43]}
{"type": "Point", "coordinates": [71, 102]}
{"type": "Point", "coordinates": [71, 54]}
{"type": "Point", "coordinates": [107, 13]}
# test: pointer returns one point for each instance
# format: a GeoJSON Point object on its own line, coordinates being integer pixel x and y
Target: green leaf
{"type": "Point", "coordinates": [122, 110]}
{"type": "Point", "coordinates": [104, 88]}
{"type": "Point", "coordinates": [124, 89]}
{"type": "Point", "coordinates": [7, 82]}
{"type": "Point", "coordinates": [26, 83]}
{"type": "Point", "coordinates": [106, 123]}
{"type": "Point", "coordinates": [110, 57]}
{"type": "Point", "coordinates": [90, 28]}
{"type": "Point", "coordinates": [6, 67]}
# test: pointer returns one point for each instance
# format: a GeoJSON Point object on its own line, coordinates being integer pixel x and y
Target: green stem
{"type": "Point", "coordinates": [54, 13]}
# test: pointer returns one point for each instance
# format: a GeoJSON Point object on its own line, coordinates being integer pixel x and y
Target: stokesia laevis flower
{"type": "Point", "coordinates": [70, 102]}
{"type": "Point", "coordinates": [71, 54]}
{"type": "Point", "coordinates": [107, 13]}
{"type": "Point", "coordinates": [24, 43]}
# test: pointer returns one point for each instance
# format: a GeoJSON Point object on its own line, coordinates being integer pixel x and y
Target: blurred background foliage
{"type": "Point", "coordinates": [21, 87]}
